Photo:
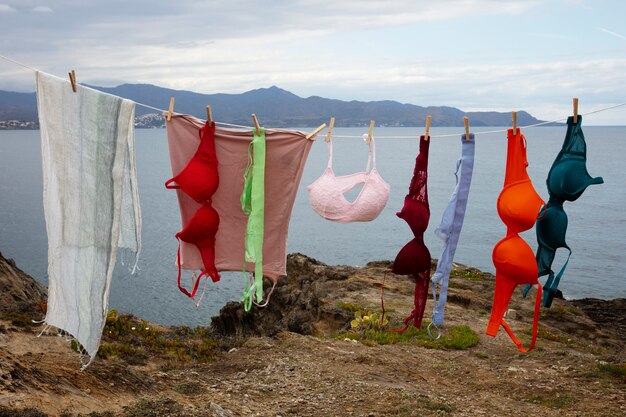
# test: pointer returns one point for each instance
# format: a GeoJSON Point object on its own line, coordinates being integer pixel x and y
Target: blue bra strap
{"type": "Point", "coordinates": [553, 282]}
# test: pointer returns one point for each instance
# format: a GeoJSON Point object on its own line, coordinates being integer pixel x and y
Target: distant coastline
{"type": "Point", "coordinates": [273, 106]}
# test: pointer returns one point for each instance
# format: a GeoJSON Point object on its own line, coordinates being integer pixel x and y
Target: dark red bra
{"type": "Point", "coordinates": [199, 179]}
{"type": "Point", "coordinates": [414, 258]}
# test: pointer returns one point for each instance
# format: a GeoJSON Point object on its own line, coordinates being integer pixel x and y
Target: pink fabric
{"type": "Point", "coordinates": [287, 151]}
{"type": "Point", "coordinates": [327, 192]}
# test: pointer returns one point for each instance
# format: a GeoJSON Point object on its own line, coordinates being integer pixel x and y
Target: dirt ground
{"type": "Point", "coordinates": [573, 371]}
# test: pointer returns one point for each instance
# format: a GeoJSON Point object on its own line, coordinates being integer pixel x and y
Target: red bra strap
{"type": "Point", "coordinates": [382, 306]}
{"type": "Point", "coordinates": [535, 323]}
{"type": "Point", "coordinates": [195, 285]}
{"type": "Point", "coordinates": [171, 187]}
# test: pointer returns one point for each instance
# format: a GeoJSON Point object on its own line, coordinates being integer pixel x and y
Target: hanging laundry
{"type": "Point", "coordinates": [253, 206]}
{"type": "Point", "coordinates": [199, 180]}
{"type": "Point", "coordinates": [567, 180]}
{"type": "Point", "coordinates": [286, 155]}
{"type": "Point", "coordinates": [414, 258]}
{"type": "Point", "coordinates": [91, 202]}
{"type": "Point", "coordinates": [326, 194]}
{"type": "Point", "coordinates": [518, 206]}
{"type": "Point", "coordinates": [451, 224]}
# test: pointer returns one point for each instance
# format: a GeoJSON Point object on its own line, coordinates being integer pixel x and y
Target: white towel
{"type": "Point", "coordinates": [91, 201]}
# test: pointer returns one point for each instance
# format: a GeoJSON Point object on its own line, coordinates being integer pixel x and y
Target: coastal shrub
{"type": "Point", "coordinates": [615, 369]}
{"type": "Point", "coordinates": [351, 307]}
{"type": "Point", "coordinates": [132, 340]}
{"type": "Point", "coordinates": [16, 319]}
{"type": "Point", "coordinates": [188, 388]}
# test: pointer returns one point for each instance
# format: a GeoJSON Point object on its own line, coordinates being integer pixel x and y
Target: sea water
{"type": "Point", "coordinates": [597, 220]}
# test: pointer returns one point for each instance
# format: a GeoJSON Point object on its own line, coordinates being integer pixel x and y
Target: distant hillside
{"type": "Point", "coordinates": [276, 107]}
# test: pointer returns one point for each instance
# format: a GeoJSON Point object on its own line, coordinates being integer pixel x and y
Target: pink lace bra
{"type": "Point", "coordinates": [327, 192]}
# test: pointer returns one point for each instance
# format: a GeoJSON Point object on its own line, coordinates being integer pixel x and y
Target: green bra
{"type": "Point", "coordinates": [567, 180]}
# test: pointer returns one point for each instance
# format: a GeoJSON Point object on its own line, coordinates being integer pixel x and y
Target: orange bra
{"type": "Point", "coordinates": [518, 207]}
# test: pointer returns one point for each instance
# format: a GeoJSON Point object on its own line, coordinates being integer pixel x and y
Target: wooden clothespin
{"type": "Point", "coordinates": [209, 115]}
{"type": "Point", "coordinates": [466, 123]}
{"type": "Point", "coordinates": [575, 110]}
{"type": "Point", "coordinates": [257, 126]}
{"type": "Point", "coordinates": [369, 134]}
{"type": "Point", "coordinates": [316, 131]}
{"type": "Point", "coordinates": [168, 115]}
{"type": "Point", "coordinates": [72, 75]}
{"type": "Point", "coordinates": [514, 117]}
{"type": "Point", "coordinates": [330, 129]}
{"type": "Point", "coordinates": [428, 119]}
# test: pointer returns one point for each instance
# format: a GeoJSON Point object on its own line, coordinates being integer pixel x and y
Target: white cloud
{"type": "Point", "coordinates": [5, 8]}
{"type": "Point", "coordinates": [42, 9]}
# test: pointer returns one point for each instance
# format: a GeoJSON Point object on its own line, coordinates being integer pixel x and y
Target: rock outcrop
{"type": "Point", "coordinates": [19, 292]}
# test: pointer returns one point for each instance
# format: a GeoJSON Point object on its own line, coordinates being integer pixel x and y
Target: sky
{"type": "Point", "coordinates": [476, 55]}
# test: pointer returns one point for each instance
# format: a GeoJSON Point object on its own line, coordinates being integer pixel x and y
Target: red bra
{"type": "Point", "coordinates": [414, 258]}
{"type": "Point", "coordinates": [199, 179]}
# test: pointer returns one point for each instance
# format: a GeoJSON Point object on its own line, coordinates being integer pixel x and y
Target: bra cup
{"type": "Point", "coordinates": [545, 257]}
{"type": "Point", "coordinates": [551, 227]}
{"type": "Point", "coordinates": [327, 199]}
{"type": "Point", "coordinates": [518, 206]}
{"type": "Point", "coordinates": [514, 259]}
{"type": "Point", "coordinates": [416, 214]}
{"type": "Point", "coordinates": [412, 259]}
{"type": "Point", "coordinates": [202, 226]}
{"type": "Point", "coordinates": [199, 181]}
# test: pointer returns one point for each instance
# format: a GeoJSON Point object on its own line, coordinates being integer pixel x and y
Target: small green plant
{"type": "Point", "coordinates": [458, 337]}
{"type": "Point", "coordinates": [467, 274]}
{"type": "Point", "coordinates": [351, 307]}
{"type": "Point", "coordinates": [615, 369]}
{"type": "Point", "coordinates": [17, 319]}
{"type": "Point", "coordinates": [365, 320]}
{"type": "Point", "coordinates": [554, 401]}
{"type": "Point", "coordinates": [189, 388]}
{"type": "Point", "coordinates": [132, 340]}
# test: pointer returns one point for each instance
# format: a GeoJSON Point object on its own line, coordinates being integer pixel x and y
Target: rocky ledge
{"type": "Point", "coordinates": [321, 348]}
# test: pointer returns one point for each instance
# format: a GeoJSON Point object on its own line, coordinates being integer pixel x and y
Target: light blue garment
{"type": "Point", "coordinates": [450, 228]}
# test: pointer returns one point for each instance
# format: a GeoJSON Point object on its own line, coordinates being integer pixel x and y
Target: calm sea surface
{"type": "Point", "coordinates": [596, 233]}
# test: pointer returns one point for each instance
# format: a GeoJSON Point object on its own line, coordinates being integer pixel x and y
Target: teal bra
{"type": "Point", "coordinates": [567, 180]}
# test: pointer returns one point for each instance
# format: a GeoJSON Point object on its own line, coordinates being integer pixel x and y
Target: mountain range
{"type": "Point", "coordinates": [275, 107]}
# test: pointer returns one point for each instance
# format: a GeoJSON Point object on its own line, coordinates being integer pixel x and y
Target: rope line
{"type": "Point", "coordinates": [487, 132]}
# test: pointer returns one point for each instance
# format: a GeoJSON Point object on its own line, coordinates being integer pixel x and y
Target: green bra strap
{"type": "Point", "coordinates": [253, 205]}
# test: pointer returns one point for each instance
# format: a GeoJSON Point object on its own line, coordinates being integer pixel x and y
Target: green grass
{"type": "Point", "coordinates": [457, 337]}
{"type": "Point", "coordinates": [351, 307]}
{"type": "Point", "coordinates": [542, 333]}
{"type": "Point", "coordinates": [467, 274]}
{"type": "Point", "coordinates": [554, 401]}
{"type": "Point", "coordinates": [189, 388]}
{"type": "Point", "coordinates": [617, 370]}
{"type": "Point", "coordinates": [133, 340]}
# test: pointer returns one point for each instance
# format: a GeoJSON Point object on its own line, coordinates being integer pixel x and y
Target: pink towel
{"type": "Point", "coordinates": [287, 151]}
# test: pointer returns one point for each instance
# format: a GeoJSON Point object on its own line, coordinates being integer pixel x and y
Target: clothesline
{"type": "Point", "coordinates": [488, 132]}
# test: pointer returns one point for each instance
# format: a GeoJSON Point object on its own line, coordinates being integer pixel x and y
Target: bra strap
{"type": "Point", "coordinates": [329, 144]}
{"type": "Point", "coordinates": [171, 187]}
{"type": "Point", "coordinates": [553, 282]}
{"type": "Point", "coordinates": [195, 285]}
{"type": "Point", "coordinates": [514, 338]}
{"type": "Point", "coordinates": [371, 154]}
